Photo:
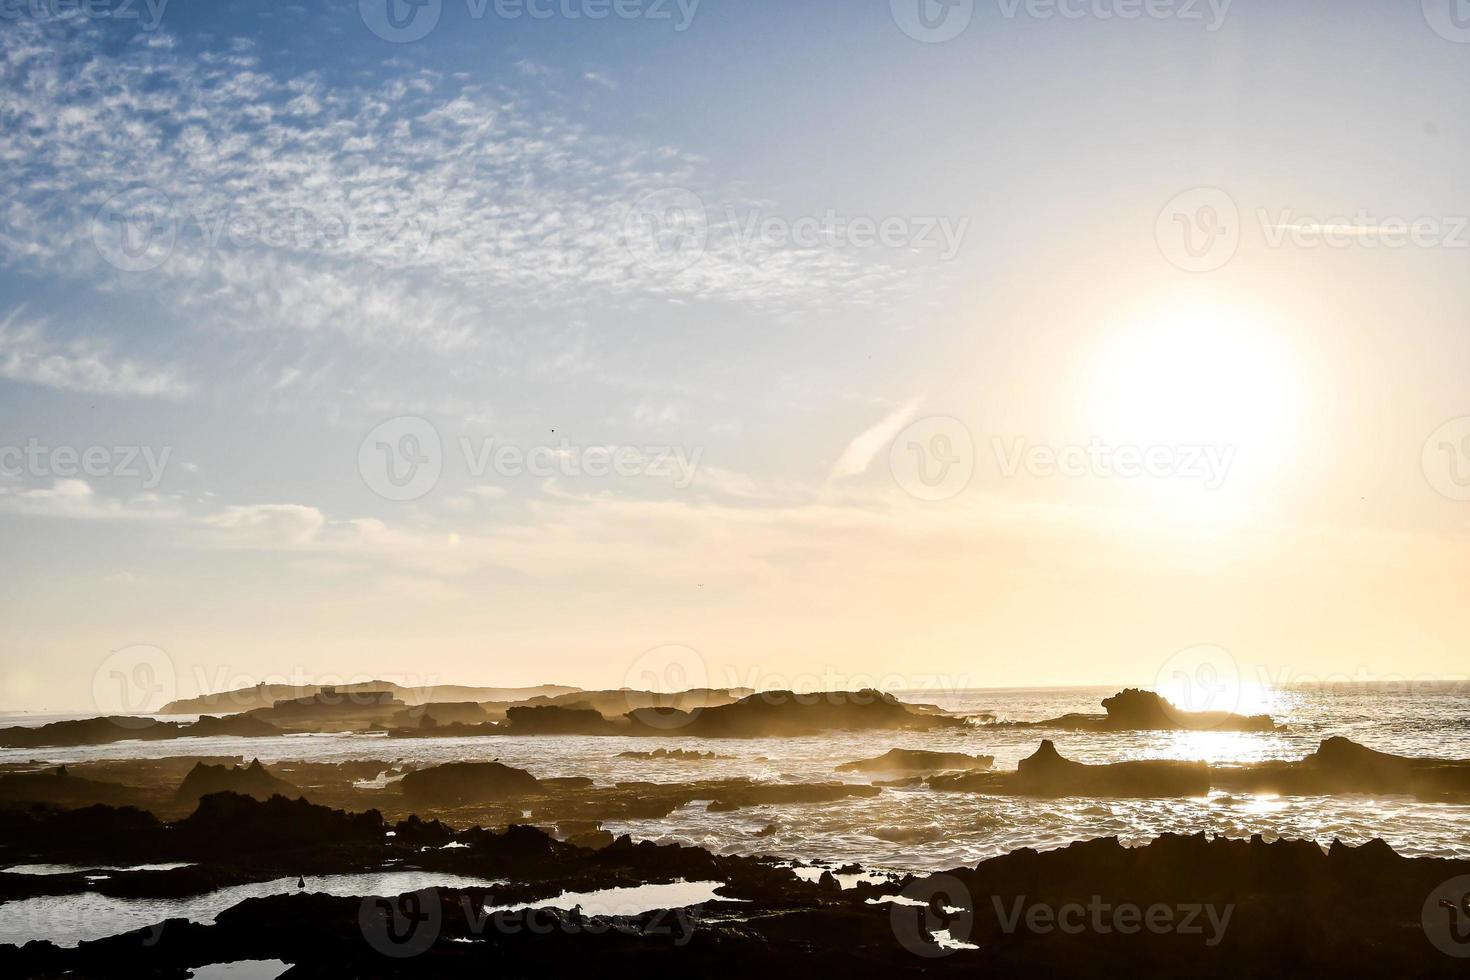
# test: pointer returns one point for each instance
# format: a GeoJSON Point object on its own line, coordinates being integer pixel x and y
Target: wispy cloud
{"type": "Point", "coordinates": [860, 453]}
{"type": "Point", "coordinates": [29, 355]}
{"type": "Point", "coordinates": [264, 526]}
{"type": "Point", "coordinates": [73, 499]}
{"type": "Point", "coordinates": [417, 209]}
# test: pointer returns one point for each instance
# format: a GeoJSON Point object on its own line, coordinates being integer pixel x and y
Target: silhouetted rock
{"type": "Point", "coordinates": [253, 780]}
{"type": "Point", "coordinates": [416, 832]}
{"type": "Point", "coordinates": [1046, 773]}
{"type": "Point", "coordinates": [235, 726]}
{"type": "Point", "coordinates": [1135, 710]}
{"type": "Point", "coordinates": [435, 714]}
{"type": "Point", "coordinates": [1343, 766]}
{"type": "Point", "coordinates": [781, 794]}
{"type": "Point", "coordinates": [350, 709]}
{"type": "Point", "coordinates": [107, 834]}
{"type": "Point", "coordinates": [115, 728]}
{"type": "Point", "coordinates": [552, 720]}
{"type": "Point", "coordinates": [1339, 766]}
{"type": "Point", "coordinates": [783, 713]}
{"type": "Point", "coordinates": [585, 833]}
{"type": "Point", "coordinates": [57, 786]}
{"type": "Point", "coordinates": [919, 760]}
{"type": "Point", "coordinates": [613, 704]}
{"type": "Point", "coordinates": [458, 783]}
{"type": "Point", "coordinates": [1179, 906]}
{"type": "Point", "coordinates": [231, 822]}
{"type": "Point", "coordinates": [266, 695]}
{"type": "Point", "coordinates": [566, 783]}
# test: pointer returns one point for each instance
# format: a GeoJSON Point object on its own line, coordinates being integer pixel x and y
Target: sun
{"type": "Point", "coordinates": [1199, 373]}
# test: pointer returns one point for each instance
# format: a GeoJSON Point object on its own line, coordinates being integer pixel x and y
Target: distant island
{"type": "Point", "coordinates": [266, 695]}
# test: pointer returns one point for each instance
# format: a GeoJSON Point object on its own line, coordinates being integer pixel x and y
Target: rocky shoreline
{"type": "Point", "coordinates": [524, 878]}
{"type": "Point", "coordinates": [1209, 907]}
{"type": "Point", "coordinates": [1338, 767]}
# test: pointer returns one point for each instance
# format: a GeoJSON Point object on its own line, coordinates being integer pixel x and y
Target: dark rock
{"type": "Point", "coordinates": [106, 730]}
{"type": "Point", "coordinates": [241, 823]}
{"type": "Point", "coordinates": [1135, 710]}
{"type": "Point", "coordinates": [237, 727]}
{"type": "Point", "coordinates": [57, 786]}
{"type": "Point", "coordinates": [1342, 766]}
{"type": "Point", "coordinates": [468, 782]}
{"type": "Point", "coordinates": [553, 720]}
{"type": "Point", "coordinates": [1046, 773]}
{"type": "Point", "coordinates": [1230, 908]}
{"type": "Point", "coordinates": [253, 780]}
{"type": "Point", "coordinates": [435, 714]}
{"type": "Point", "coordinates": [918, 760]}
{"type": "Point", "coordinates": [267, 695]}
{"type": "Point", "coordinates": [349, 709]}
{"type": "Point", "coordinates": [783, 713]}
{"type": "Point", "coordinates": [1339, 766]}
{"type": "Point", "coordinates": [566, 782]}
{"type": "Point", "coordinates": [758, 794]}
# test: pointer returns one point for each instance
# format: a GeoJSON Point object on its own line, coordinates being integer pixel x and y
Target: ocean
{"type": "Point", "coordinates": [914, 829]}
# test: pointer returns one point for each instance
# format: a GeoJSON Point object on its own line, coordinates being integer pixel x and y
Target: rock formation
{"type": "Point", "coordinates": [1046, 773]}
{"type": "Point", "coordinates": [1343, 766]}
{"type": "Point", "coordinates": [554, 720]}
{"type": "Point", "coordinates": [61, 788]}
{"type": "Point", "coordinates": [1339, 766]}
{"type": "Point", "coordinates": [783, 713]}
{"type": "Point", "coordinates": [459, 783]}
{"type": "Point", "coordinates": [112, 728]}
{"type": "Point", "coordinates": [919, 760]}
{"type": "Point", "coordinates": [1135, 710]}
{"type": "Point", "coordinates": [253, 780]}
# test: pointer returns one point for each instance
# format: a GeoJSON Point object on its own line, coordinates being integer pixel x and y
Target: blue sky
{"type": "Point", "coordinates": [260, 245]}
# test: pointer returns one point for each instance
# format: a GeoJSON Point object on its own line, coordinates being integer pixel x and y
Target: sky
{"type": "Point", "coordinates": [814, 344]}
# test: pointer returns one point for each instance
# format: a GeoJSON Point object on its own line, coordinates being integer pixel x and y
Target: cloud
{"type": "Point", "coordinates": [76, 500]}
{"type": "Point", "coordinates": [264, 526]}
{"type": "Point", "coordinates": [30, 356]}
{"type": "Point", "coordinates": [412, 209]}
{"type": "Point", "coordinates": [860, 453]}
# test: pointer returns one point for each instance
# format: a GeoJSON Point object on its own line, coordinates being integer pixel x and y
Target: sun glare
{"type": "Point", "coordinates": [1197, 375]}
